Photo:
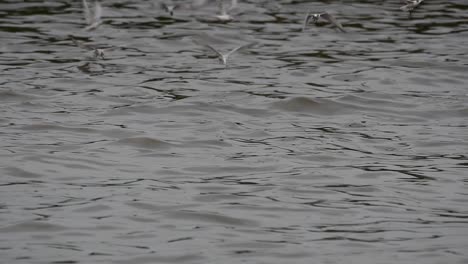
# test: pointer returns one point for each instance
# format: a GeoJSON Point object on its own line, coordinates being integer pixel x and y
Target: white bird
{"type": "Point", "coordinates": [97, 51]}
{"type": "Point", "coordinates": [410, 5]}
{"type": "Point", "coordinates": [325, 15]}
{"type": "Point", "coordinates": [93, 19]}
{"type": "Point", "coordinates": [223, 15]}
{"type": "Point", "coordinates": [224, 57]}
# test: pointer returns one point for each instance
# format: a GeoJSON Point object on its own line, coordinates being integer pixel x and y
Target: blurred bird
{"type": "Point", "coordinates": [169, 8]}
{"type": "Point", "coordinates": [325, 15]}
{"type": "Point", "coordinates": [98, 52]}
{"type": "Point", "coordinates": [223, 15]}
{"type": "Point", "coordinates": [224, 57]}
{"type": "Point", "coordinates": [410, 5]}
{"type": "Point", "coordinates": [93, 19]}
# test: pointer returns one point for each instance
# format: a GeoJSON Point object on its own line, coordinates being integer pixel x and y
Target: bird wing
{"type": "Point", "coordinates": [407, 7]}
{"type": "Point", "coordinates": [164, 7]}
{"type": "Point", "coordinates": [81, 45]}
{"type": "Point", "coordinates": [306, 21]}
{"type": "Point", "coordinates": [219, 54]}
{"type": "Point", "coordinates": [240, 47]}
{"type": "Point", "coordinates": [93, 26]}
{"type": "Point", "coordinates": [97, 11]}
{"type": "Point", "coordinates": [411, 4]}
{"type": "Point", "coordinates": [176, 6]}
{"type": "Point", "coordinates": [87, 12]}
{"type": "Point", "coordinates": [332, 20]}
{"type": "Point", "coordinates": [221, 7]}
{"type": "Point", "coordinates": [233, 4]}
{"type": "Point", "coordinates": [111, 48]}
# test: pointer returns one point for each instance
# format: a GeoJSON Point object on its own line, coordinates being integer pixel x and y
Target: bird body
{"type": "Point", "coordinates": [324, 15]}
{"type": "Point", "coordinates": [99, 53]}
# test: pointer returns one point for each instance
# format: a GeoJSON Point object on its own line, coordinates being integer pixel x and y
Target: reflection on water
{"type": "Point", "coordinates": [337, 147]}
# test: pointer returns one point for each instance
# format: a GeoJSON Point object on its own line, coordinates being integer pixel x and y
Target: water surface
{"type": "Point", "coordinates": [312, 146]}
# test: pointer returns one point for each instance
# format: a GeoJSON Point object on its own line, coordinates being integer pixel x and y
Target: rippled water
{"type": "Point", "coordinates": [311, 147]}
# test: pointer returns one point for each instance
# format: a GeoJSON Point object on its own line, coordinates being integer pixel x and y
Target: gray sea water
{"type": "Point", "coordinates": [309, 147]}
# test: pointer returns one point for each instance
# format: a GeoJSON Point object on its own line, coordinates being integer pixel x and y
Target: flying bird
{"type": "Point", "coordinates": [98, 52]}
{"type": "Point", "coordinates": [223, 15]}
{"type": "Point", "coordinates": [169, 8]}
{"type": "Point", "coordinates": [93, 19]}
{"type": "Point", "coordinates": [325, 15]}
{"type": "Point", "coordinates": [410, 5]}
{"type": "Point", "coordinates": [224, 57]}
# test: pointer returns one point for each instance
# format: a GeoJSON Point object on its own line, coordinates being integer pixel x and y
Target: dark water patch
{"type": "Point", "coordinates": [31, 226]}
{"type": "Point", "coordinates": [11, 96]}
{"type": "Point", "coordinates": [51, 127]}
{"type": "Point", "coordinates": [165, 258]}
{"type": "Point", "coordinates": [18, 172]}
{"type": "Point", "coordinates": [144, 143]}
{"type": "Point", "coordinates": [309, 106]}
{"type": "Point", "coordinates": [93, 208]}
{"type": "Point", "coordinates": [210, 218]}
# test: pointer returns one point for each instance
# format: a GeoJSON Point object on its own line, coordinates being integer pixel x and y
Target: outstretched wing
{"type": "Point", "coordinates": [332, 20]}
{"type": "Point", "coordinates": [111, 48]}
{"type": "Point", "coordinates": [93, 26]}
{"type": "Point", "coordinates": [248, 45]}
{"type": "Point", "coordinates": [81, 45]}
{"type": "Point", "coordinates": [164, 6]}
{"type": "Point", "coordinates": [407, 7]}
{"type": "Point", "coordinates": [306, 21]}
{"type": "Point", "coordinates": [87, 12]}
{"type": "Point", "coordinates": [219, 54]}
{"type": "Point", "coordinates": [410, 5]}
{"type": "Point", "coordinates": [97, 11]}
{"type": "Point", "coordinates": [221, 7]}
{"type": "Point", "coordinates": [233, 5]}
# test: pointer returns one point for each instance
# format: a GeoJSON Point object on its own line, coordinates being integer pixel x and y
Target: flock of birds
{"type": "Point", "coordinates": [93, 17]}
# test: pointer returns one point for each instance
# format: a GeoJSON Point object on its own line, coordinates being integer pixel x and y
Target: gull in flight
{"type": "Point", "coordinates": [93, 19]}
{"type": "Point", "coordinates": [410, 5]}
{"type": "Point", "coordinates": [325, 15]}
{"type": "Point", "coordinates": [169, 8]}
{"type": "Point", "coordinates": [223, 15]}
{"type": "Point", "coordinates": [97, 51]}
{"type": "Point", "coordinates": [224, 57]}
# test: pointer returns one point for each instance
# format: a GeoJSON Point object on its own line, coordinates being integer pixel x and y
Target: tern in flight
{"type": "Point", "coordinates": [98, 52]}
{"type": "Point", "coordinates": [325, 15]}
{"type": "Point", "coordinates": [223, 16]}
{"type": "Point", "coordinates": [410, 5]}
{"type": "Point", "coordinates": [169, 8]}
{"type": "Point", "coordinates": [224, 57]}
{"type": "Point", "coordinates": [93, 19]}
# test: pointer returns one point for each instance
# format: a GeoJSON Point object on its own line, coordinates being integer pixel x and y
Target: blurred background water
{"type": "Point", "coordinates": [310, 147]}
